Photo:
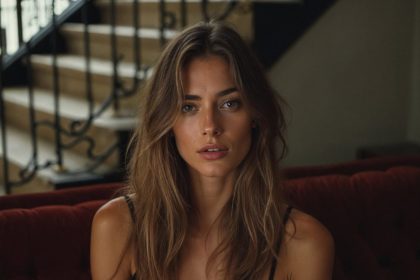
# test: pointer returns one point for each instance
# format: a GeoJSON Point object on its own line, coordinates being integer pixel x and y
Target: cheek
{"type": "Point", "coordinates": [240, 127]}
{"type": "Point", "coordinates": [183, 133]}
{"type": "Point", "coordinates": [241, 133]}
{"type": "Point", "coordinates": [246, 137]}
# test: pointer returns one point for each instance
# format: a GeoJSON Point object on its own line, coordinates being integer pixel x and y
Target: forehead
{"type": "Point", "coordinates": [207, 73]}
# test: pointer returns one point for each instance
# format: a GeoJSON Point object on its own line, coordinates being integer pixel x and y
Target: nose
{"type": "Point", "coordinates": [210, 123]}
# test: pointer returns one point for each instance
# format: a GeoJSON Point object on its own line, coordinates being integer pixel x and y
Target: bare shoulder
{"type": "Point", "coordinates": [113, 215]}
{"type": "Point", "coordinates": [307, 244]}
{"type": "Point", "coordinates": [111, 238]}
{"type": "Point", "coordinates": [304, 229]}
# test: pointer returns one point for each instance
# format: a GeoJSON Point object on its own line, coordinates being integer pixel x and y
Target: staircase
{"type": "Point", "coordinates": [115, 122]}
{"type": "Point", "coordinates": [96, 75]}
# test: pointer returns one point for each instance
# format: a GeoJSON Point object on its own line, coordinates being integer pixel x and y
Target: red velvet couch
{"type": "Point", "coordinates": [372, 208]}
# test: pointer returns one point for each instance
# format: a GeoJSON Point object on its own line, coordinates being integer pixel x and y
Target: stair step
{"type": "Point", "coordinates": [123, 31]}
{"type": "Point", "coordinates": [72, 84]}
{"type": "Point", "coordinates": [72, 77]}
{"type": "Point", "coordinates": [36, 184]}
{"type": "Point", "coordinates": [100, 41]}
{"type": "Point", "coordinates": [98, 66]}
{"type": "Point", "coordinates": [102, 130]}
{"type": "Point", "coordinates": [19, 153]}
{"type": "Point", "coordinates": [149, 13]}
{"type": "Point", "coordinates": [69, 107]}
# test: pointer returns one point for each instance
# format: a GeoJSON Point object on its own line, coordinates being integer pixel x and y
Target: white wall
{"type": "Point", "coordinates": [348, 80]}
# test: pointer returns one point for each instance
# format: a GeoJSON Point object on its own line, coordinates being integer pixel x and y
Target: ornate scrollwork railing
{"type": "Point", "coordinates": [75, 132]}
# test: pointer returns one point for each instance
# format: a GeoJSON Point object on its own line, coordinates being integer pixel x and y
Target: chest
{"type": "Point", "coordinates": [194, 259]}
{"type": "Point", "coordinates": [197, 253]}
{"type": "Point", "coordinates": [194, 264]}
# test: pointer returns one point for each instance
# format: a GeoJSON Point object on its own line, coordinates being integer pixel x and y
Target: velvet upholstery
{"type": "Point", "coordinates": [373, 215]}
{"type": "Point", "coordinates": [60, 197]}
{"type": "Point", "coordinates": [48, 242]}
{"type": "Point", "coordinates": [351, 167]}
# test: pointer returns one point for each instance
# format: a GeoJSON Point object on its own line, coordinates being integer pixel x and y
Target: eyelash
{"type": "Point", "coordinates": [235, 104]}
{"type": "Point", "coordinates": [184, 110]}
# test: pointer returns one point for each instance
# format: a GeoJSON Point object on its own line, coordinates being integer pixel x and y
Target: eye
{"type": "Point", "coordinates": [187, 108]}
{"type": "Point", "coordinates": [231, 104]}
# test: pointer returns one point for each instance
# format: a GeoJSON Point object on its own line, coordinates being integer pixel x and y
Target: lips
{"type": "Point", "coordinates": [213, 152]}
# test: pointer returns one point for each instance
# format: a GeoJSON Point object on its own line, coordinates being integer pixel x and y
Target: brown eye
{"type": "Point", "coordinates": [231, 104]}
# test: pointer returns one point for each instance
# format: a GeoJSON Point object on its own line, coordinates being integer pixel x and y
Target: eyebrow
{"type": "Point", "coordinates": [219, 94]}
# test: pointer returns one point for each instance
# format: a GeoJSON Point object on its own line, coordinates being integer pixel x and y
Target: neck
{"type": "Point", "coordinates": [210, 195]}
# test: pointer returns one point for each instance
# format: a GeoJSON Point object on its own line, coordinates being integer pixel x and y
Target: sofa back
{"type": "Point", "coordinates": [351, 167]}
{"type": "Point", "coordinates": [374, 217]}
{"type": "Point", "coordinates": [69, 196]}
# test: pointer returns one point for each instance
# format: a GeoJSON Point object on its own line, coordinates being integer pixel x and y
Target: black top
{"type": "Point", "coordinates": [273, 263]}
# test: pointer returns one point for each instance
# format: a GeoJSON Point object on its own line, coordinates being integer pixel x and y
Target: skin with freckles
{"type": "Point", "coordinates": [213, 113]}
{"type": "Point", "coordinates": [213, 136]}
{"type": "Point", "coordinates": [203, 177]}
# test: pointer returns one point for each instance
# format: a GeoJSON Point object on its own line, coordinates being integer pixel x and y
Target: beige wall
{"type": "Point", "coordinates": [414, 109]}
{"type": "Point", "coordinates": [348, 81]}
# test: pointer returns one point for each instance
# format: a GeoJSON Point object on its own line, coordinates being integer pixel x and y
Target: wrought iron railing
{"type": "Point", "coordinates": [67, 137]}
{"type": "Point", "coordinates": [21, 19]}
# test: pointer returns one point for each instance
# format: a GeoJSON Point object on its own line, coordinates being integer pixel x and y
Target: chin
{"type": "Point", "coordinates": [214, 172]}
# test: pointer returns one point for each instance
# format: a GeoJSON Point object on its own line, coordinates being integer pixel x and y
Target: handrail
{"type": "Point", "coordinates": [30, 16]}
{"type": "Point", "coordinates": [43, 33]}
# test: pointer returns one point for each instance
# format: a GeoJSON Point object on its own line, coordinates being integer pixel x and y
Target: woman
{"type": "Point", "coordinates": [204, 196]}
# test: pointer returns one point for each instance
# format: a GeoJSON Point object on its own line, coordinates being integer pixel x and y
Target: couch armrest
{"type": "Point", "coordinates": [49, 242]}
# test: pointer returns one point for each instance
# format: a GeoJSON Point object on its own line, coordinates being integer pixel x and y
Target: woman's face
{"type": "Point", "coordinates": [213, 129]}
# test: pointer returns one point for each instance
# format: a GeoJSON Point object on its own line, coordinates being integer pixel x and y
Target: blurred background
{"type": "Point", "coordinates": [72, 72]}
{"type": "Point", "coordinates": [352, 82]}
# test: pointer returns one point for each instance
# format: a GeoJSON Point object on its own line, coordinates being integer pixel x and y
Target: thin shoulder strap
{"type": "Point", "coordinates": [287, 214]}
{"type": "Point", "coordinates": [130, 207]}
{"type": "Point", "coordinates": [274, 261]}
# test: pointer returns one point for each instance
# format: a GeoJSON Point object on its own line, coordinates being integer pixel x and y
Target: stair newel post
{"type": "Point", "coordinates": [6, 180]}
{"type": "Point", "coordinates": [57, 120]}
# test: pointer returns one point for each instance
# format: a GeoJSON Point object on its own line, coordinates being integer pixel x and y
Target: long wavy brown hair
{"type": "Point", "coordinates": [252, 218]}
